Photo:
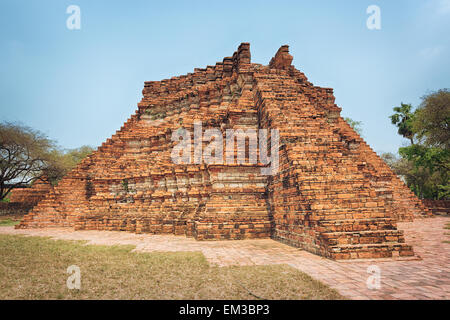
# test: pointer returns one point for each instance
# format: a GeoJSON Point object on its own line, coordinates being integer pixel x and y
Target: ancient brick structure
{"type": "Point", "coordinates": [31, 196]}
{"type": "Point", "coordinates": [438, 207]}
{"type": "Point", "coordinates": [332, 195]}
{"type": "Point", "coordinates": [22, 200]}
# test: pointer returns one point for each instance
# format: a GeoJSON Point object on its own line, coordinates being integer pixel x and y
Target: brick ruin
{"type": "Point", "coordinates": [437, 207]}
{"type": "Point", "coordinates": [32, 195]}
{"type": "Point", "coordinates": [332, 195]}
{"type": "Point", "coordinates": [23, 199]}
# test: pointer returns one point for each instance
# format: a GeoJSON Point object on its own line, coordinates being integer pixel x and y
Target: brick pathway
{"type": "Point", "coordinates": [426, 276]}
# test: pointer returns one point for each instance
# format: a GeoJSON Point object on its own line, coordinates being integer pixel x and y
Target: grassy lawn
{"type": "Point", "coordinates": [10, 219]}
{"type": "Point", "coordinates": [9, 222]}
{"type": "Point", "coordinates": [35, 268]}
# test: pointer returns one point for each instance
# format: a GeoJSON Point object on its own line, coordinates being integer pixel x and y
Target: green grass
{"type": "Point", "coordinates": [35, 268]}
{"type": "Point", "coordinates": [9, 222]}
{"type": "Point", "coordinates": [447, 226]}
{"type": "Point", "coordinates": [6, 198]}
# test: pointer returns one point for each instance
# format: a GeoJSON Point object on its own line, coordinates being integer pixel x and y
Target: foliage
{"type": "Point", "coordinates": [435, 159]}
{"type": "Point", "coordinates": [65, 160]}
{"type": "Point", "coordinates": [435, 163]}
{"type": "Point", "coordinates": [356, 125]}
{"type": "Point", "coordinates": [27, 155]}
{"type": "Point", "coordinates": [403, 119]}
{"type": "Point", "coordinates": [24, 155]}
{"type": "Point", "coordinates": [425, 164]}
{"type": "Point", "coordinates": [420, 180]}
{"type": "Point", "coordinates": [125, 185]}
{"type": "Point", "coordinates": [444, 191]}
{"type": "Point", "coordinates": [433, 119]}
{"type": "Point", "coordinates": [6, 198]}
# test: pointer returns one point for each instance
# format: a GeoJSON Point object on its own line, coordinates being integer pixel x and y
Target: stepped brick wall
{"type": "Point", "coordinates": [439, 207]}
{"type": "Point", "coordinates": [332, 195]}
{"type": "Point", "coordinates": [22, 200]}
{"type": "Point", "coordinates": [31, 196]}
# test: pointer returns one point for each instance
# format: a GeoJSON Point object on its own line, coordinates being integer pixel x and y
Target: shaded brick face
{"type": "Point", "coordinates": [439, 207]}
{"type": "Point", "coordinates": [331, 195]}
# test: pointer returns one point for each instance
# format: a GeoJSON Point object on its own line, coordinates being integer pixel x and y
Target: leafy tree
{"type": "Point", "coordinates": [403, 119]}
{"type": "Point", "coordinates": [420, 180]}
{"type": "Point", "coordinates": [24, 155]}
{"type": "Point", "coordinates": [425, 164]}
{"type": "Point", "coordinates": [435, 159]}
{"type": "Point", "coordinates": [78, 154]}
{"type": "Point", "coordinates": [430, 162]}
{"type": "Point", "coordinates": [62, 161]}
{"type": "Point", "coordinates": [432, 121]}
{"type": "Point", "coordinates": [444, 191]}
{"type": "Point", "coordinates": [27, 155]}
{"type": "Point", "coordinates": [356, 125]}
{"type": "Point", "coordinates": [390, 159]}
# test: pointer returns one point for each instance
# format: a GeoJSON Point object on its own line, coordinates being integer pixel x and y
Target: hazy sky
{"type": "Point", "coordinates": [79, 86]}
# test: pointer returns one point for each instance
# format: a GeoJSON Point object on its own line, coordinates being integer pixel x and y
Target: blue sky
{"type": "Point", "coordinates": [79, 86]}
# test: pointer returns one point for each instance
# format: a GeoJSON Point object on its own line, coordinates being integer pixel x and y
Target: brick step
{"type": "Point", "coordinates": [348, 215]}
{"type": "Point", "coordinates": [226, 210]}
{"type": "Point", "coordinates": [370, 251]}
{"type": "Point", "coordinates": [356, 225]}
{"type": "Point", "coordinates": [236, 206]}
{"type": "Point", "coordinates": [363, 237]}
{"type": "Point", "coordinates": [232, 230]}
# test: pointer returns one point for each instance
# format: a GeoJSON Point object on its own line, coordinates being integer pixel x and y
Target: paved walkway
{"type": "Point", "coordinates": [427, 276]}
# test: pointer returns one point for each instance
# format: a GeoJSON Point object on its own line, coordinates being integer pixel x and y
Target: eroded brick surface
{"type": "Point", "coordinates": [332, 195]}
